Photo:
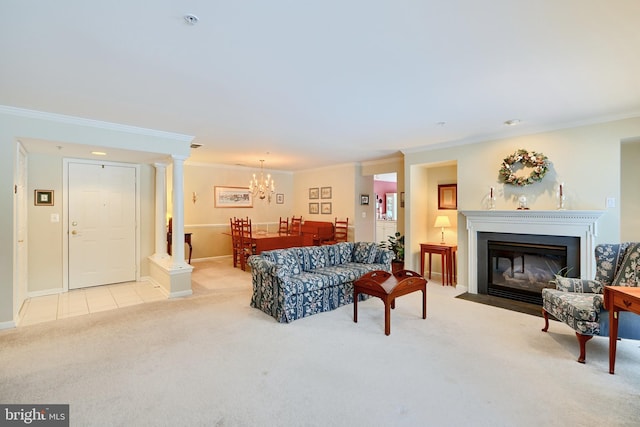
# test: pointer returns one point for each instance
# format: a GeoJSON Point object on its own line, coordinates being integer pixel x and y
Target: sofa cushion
{"type": "Point", "coordinates": [286, 260]}
{"type": "Point", "coordinates": [365, 252]}
{"type": "Point", "coordinates": [570, 284]}
{"type": "Point", "coordinates": [629, 272]}
{"type": "Point", "coordinates": [577, 310]}
{"type": "Point", "coordinates": [346, 252]}
{"type": "Point", "coordinates": [312, 257]}
{"type": "Point", "coordinates": [307, 282]}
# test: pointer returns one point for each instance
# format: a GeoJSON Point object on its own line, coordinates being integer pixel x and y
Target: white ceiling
{"type": "Point", "coordinates": [316, 83]}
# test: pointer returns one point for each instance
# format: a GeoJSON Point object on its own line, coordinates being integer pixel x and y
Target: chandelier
{"type": "Point", "coordinates": [262, 188]}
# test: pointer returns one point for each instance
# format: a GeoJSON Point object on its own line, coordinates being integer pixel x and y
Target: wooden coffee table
{"type": "Point", "coordinates": [388, 287]}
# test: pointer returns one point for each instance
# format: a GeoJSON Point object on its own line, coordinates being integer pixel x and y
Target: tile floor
{"type": "Point", "coordinates": [88, 300]}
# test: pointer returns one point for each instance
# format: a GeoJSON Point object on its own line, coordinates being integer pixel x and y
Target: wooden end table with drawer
{"type": "Point", "coordinates": [616, 299]}
{"type": "Point", "coordinates": [388, 287]}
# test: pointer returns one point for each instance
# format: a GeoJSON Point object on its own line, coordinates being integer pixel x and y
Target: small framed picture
{"type": "Point", "coordinates": [314, 208]}
{"type": "Point", "coordinates": [280, 198]}
{"type": "Point", "coordinates": [364, 199]}
{"type": "Point", "coordinates": [325, 193]}
{"type": "Point", "coordinates": [448, 196]}
{"type": "Point", "coordinates": [43, 198]}
{"type": "Point", "coordinates": [325, 208]}
{"type": "Point", "coordinates": [314, 193]}
{"type": "Point", "coordinates": [402, 199]}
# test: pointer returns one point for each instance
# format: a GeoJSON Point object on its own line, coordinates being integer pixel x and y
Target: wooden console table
{"type": "Point", "coordinates": [616, 299]}
{"type": "Point", "coordinates": [447, 253]}
{"type": "Point", "coordinates": [388, 287]}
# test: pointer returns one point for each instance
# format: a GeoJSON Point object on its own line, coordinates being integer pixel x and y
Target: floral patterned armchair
{"type": "Point", "coordinates": [580, 303]}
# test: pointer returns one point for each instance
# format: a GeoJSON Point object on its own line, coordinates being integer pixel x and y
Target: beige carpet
{"type": "Point", "coordinates": [211, 360]}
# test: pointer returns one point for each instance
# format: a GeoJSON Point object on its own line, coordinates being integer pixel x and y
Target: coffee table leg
{"type": "Point", "coordinates": [387, 317]}
{"type": "Point", "coordinates": [424, 303]}
{"type": "Point", "coordinates": [355, 307]}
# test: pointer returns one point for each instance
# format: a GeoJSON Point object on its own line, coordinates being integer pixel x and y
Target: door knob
{"type": "Point", "coordinates": [74, 232]}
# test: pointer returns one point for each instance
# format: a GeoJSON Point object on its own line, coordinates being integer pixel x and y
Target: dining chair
{"type": "Point", "coordinates": [296, 225]}
{"type": "Point", "coordinates": [247, 244]}
{"type": "Point", "coordinates": [236, 240]}
{"type": "Point", "coordinates": [283, 228]}
{"type": "Point", "coordinates": [340, 232]}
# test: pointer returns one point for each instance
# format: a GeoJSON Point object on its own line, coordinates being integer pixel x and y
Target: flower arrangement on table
{"type": "Point", "coordinates": [538, 161]}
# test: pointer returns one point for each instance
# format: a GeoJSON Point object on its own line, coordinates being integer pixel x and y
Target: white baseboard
{"type": "Point", "coordinates": [7, 325]}
{"type": "Point", "coordinates": [44, 293]}
{"type": "Point", "coordinates": [181, 294]}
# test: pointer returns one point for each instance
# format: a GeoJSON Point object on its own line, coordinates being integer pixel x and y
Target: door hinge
{"type": "Point", "coordinates": [15, 189]}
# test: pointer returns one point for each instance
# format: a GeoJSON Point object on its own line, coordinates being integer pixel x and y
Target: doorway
{"type": "Point", "coordinates": [385, 188]}
{"type": "Point", "coordinates": [101, 217]}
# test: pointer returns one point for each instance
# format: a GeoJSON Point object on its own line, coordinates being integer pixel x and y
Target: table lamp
{"type": "Point", "coordinates": [442, 222]}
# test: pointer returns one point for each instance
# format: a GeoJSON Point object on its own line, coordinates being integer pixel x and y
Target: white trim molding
{"type": "Point", "coordinates": [582, 224]}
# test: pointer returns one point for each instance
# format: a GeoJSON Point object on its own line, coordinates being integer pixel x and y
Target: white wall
{"type": "Point", "coordinates": [208, 223]}
{"type": "Point", "coordinates": [16, 124]}
{"type": "Point", "coordinates": [585, 158]}
{"type": "Point", "coordinates": [630, 195]}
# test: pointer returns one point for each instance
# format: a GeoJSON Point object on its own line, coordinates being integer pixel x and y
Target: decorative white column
{"type": "Point", "coordinates": [161, 211]}
{"type": "Point", "coordinates": [177, 198]}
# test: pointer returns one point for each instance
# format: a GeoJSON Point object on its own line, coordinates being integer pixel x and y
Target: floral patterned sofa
{"type": "Point", "coordinates": [580, 304]}
{"type": "Point", "coordinates": [292, 283]}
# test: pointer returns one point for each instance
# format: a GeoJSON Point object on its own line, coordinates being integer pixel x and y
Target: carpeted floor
{"type": "Point", "coordinates": [211, 360]}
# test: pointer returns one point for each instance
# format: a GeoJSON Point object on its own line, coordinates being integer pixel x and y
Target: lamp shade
{"type": "Point", "coordinates": [442, 221]}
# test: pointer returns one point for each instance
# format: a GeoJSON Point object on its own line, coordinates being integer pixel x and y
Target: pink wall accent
{"type": "Point", "coordinates": [382, 187]}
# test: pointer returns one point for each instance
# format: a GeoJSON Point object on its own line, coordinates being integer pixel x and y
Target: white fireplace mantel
{"type": "Point", "coordinates": [582, 224]}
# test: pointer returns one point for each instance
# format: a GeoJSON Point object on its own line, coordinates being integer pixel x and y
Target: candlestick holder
{"type": "Point", "coordinates": [491, 203]}
{"type": "Point", "coordinates": [561, 200]}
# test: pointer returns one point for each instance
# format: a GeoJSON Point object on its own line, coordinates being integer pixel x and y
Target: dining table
{"type": "Point", "coordinates": [264, 241]}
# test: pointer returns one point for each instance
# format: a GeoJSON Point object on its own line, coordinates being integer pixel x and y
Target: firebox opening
{"type": "Point", "coordinates": [518, 267]}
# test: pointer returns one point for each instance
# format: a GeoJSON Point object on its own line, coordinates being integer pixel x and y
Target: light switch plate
{"type": "Point", "coordinates": [55, 217]}
{"type": "Point", "coordinates": [611, 202]}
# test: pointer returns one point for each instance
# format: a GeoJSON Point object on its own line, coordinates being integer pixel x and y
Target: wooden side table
{"type": "Point", "coordinates": [616, 299]}
{"type": "Point", "coordinates": [388, 287]}
{"type": "Point", "coordinates": [447, 254]}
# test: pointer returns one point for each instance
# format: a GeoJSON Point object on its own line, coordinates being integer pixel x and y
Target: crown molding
{"type": "Point", "coordinates": [79, 121]}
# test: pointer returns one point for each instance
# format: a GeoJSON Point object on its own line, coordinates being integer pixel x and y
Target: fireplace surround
{"type": "Point", "coordinates": [567, 223]}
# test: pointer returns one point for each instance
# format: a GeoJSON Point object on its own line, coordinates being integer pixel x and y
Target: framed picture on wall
{"type": "Point", "coordinates": [448, 196]}
{"type": "Point", "coordinates": [325, 208]}
{"type": "Point", "coordinates": [43, 198]}
{"type": "Point", "coordinates": [314, 208]}
{"type": "Point", "coordinates": [325, 193]}
{"type": "Point", "coordinates": [314, 193]}
{"type": "Point", "coordinates": [232, 197]}
{"type": "Point", "coordinates": [402, 199]}
{"type": "Point", "coordinates": [364, 199]}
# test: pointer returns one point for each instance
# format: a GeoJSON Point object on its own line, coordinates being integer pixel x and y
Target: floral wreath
{"type": "Point", "coordinates": [538, 161]}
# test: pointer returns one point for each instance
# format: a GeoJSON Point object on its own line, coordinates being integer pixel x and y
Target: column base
{"type": "Point", "coordinates": [173, 277]}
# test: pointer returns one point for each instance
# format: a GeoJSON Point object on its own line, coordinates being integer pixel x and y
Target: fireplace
{"type": "Point", "coordinates": [530, 227]}
{"type": "Point", "coordinates": [519, 266]}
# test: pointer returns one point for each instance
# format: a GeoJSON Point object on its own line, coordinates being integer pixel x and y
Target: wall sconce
{"type": "Point", "coordinates": [195, 197]}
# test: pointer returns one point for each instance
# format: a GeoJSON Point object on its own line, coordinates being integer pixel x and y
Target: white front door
{"type": "Point", "coordinates": [101, 224]}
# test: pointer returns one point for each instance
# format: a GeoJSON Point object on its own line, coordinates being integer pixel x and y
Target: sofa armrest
{"type": "Point", "coordinates": [385, 256]}
{"type": "Point", "coordinates": [261, 265]}
{"type": "Point", "coordinates": [584, 286]}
